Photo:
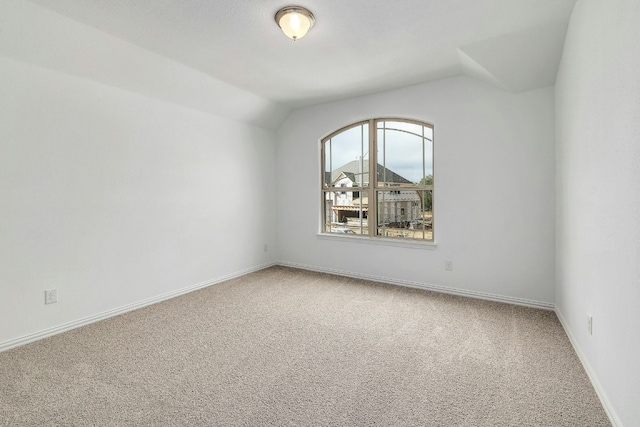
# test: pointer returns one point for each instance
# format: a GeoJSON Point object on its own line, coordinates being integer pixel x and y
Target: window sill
{"type": "Point", "coordinates": [414, 244]}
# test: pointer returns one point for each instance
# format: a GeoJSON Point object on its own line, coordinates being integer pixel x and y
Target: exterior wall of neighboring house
{"type": "Point", "coordinates": [395, 206]}
{"type": "Point", "coordinates": [399, 206]}
{"type": "Point", "coordinates": [345, 200]}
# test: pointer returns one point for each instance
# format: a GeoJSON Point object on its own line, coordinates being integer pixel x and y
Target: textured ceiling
{"type": "Point", "coordinates": [356, 46]}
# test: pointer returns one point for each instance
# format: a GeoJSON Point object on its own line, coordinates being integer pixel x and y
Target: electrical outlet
{"type": "Point", "coordinates": [266, 247]}
{"type": "Point", "coordinates": [448, 265]}
{"type": "Point", "coordinates": [590, 324]}
{"type": "Point", "coordinates": [50, 296]}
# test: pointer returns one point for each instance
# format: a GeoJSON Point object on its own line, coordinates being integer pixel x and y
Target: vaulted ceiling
{"type": "Point", "coordinates": [356, 47]}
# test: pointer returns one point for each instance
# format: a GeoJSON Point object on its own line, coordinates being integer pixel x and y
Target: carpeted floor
{"type": "Point", "coordinates": [291, 347]}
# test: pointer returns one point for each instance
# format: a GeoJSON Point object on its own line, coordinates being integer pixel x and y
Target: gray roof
{"type": "Point", "coordinates": [353, 171]}
{"type": "Point", "coordinates": [350, 175]}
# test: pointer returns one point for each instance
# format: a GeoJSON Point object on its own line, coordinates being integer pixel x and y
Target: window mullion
{"type": "Point", "coordinates": [361, 213]}
{"type": "Point", "coordinates": [424, 165]}
{"type": "Point", "coordinates": [372, 216]}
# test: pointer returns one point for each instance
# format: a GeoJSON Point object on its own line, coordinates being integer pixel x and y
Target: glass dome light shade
{"type": "Point", "coordinates": [295, 21]}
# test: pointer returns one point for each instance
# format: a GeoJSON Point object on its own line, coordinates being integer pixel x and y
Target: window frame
{"type": "Point", "coordinates": [373, 186]}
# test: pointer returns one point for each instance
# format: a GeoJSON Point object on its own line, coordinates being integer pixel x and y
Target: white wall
{"type": "Point", "coordinates": [494, 200]}
{"type": "Point", "coordinates": [598, 190]}
{"type": "Point", "coordinates": [113, 197]}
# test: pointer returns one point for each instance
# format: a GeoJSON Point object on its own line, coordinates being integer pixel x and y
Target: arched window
{"type": "Point", "coordinates": [396, 201]}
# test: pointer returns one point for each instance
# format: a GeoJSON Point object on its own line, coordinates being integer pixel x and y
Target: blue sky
{"type": "Point", "coordinates": [403, 152]}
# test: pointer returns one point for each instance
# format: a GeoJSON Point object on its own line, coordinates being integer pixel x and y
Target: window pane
{"type": "Point", "coordinates": [347, 156]}
{"type": "Point", "coordinates": [405, 213]}
{"type": "Point", "coordinates": [404, 153]}
{"type": "Point", "coordinates": [346, 212]}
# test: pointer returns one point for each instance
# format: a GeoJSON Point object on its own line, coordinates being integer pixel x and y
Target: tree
{"type": "Point", "coordinates": [427, 201]}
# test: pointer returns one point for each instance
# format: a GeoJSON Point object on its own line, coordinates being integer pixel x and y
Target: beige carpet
{"type": "Point", "coordinates": [290, 347]}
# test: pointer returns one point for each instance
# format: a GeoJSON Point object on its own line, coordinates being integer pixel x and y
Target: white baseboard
{"type": "Point", "coordinates": [121, 310]}
{"type": "Point", "coordinates": [436, 288]}
{"type": "Point", "coordinates": [608, 408]}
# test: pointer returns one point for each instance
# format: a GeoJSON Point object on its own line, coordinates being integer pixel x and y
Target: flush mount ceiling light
{"type": "Point", "coordinates": [295, 21]}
